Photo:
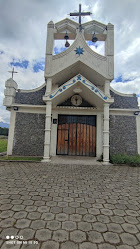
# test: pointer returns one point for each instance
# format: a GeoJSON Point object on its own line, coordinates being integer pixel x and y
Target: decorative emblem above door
{"type": "Point", "coordinates": [76, 100]}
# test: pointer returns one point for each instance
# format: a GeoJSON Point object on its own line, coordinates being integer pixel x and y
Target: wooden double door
{"type": "Point", "coordinates": [76, 135]}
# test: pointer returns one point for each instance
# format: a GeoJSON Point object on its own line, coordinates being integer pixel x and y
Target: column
{"type": "Point", "coordinates": [107, 88]}
{"type": "Point", "coordinates": [106, 134]}
{"type": "Point", "coordinates": [11, 133]}
{"type": "Point", "coordinates": [138, 132]}
{"type": "Point", "coordinates": [99, 150]}
{"type": "Point", "coordinates": [47, 142]}
{"type": "Point", "coordinates": [54, 136]}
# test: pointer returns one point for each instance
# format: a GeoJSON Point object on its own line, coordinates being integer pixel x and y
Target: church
{"type": "Point", "coordinates": [75, 112]}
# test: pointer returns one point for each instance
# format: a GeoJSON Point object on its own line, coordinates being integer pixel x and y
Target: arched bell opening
{"type": "Point", "coordinates": [98, 46]}
{"type": "Point", "coordinates": [61, 45]}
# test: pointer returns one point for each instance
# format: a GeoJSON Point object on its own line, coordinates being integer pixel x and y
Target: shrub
{"type": "Point", "coordinates": [125, 159]}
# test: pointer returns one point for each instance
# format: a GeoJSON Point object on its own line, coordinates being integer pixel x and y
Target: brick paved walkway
{"type": "Point", "coordinates": [69, 207]}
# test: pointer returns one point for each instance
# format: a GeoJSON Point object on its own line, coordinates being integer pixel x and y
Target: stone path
{"type": "Point", "coordinates": [69, 206]}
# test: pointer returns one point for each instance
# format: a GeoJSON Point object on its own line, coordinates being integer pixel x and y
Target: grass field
{"type": "Point", "coordinates": [3, 144]}
{"type": "Point", "coordinates": [20, 158]}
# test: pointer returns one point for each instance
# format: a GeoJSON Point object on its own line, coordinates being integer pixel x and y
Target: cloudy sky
{"type": "Point", "coordinates": [23, 26]}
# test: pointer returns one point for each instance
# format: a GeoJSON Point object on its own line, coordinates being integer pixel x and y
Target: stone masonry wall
{"type": "Point", "coordinates": [31, 98]}
{"type": "Point", "coordinates": [123, 101]}
{"type": "Point", "coordinates": [123, 135]}
{"type": "Point", "coordinates": [29, 134]}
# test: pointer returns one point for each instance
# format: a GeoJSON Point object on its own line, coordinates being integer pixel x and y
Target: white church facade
{"type": "Point", "coordinates": [75, 112]}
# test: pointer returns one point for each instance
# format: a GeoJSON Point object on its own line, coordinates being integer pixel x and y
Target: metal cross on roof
{"type": "Point", "coordinates": [12, 72]}
{"type": "Point", "coordinates": [80, 14]}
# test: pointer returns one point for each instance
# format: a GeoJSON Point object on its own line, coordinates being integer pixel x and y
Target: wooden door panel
{"type": "Point", "coordinates": [74, 139]}
{"type": "Point", "coordinates": [59, 140]}
{"type": "Point", "coordinates": [70, 139]}
{"type": "Point", "coordinates": [90, 140]}
{"type": "Point", "coordinates": [63, 139]}
{"type": "Point", "coordinates": [66, 138]}
{"type": "Point", "coordinates": [94, 139]}
{"type": "Point", "coordinates": [81, 139]}
{"type": "Point", "coordinates": [87, 141]}
{"type": "Point", "coordinates": [78, 140]}
{"type": "Point", "coordinates": [76, 135]}
{"type": "Point", "coordinates": [84, 139]}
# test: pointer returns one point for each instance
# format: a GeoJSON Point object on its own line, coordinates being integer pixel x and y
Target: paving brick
{"type": "Point", "coordinates": [54, 225]}
{"type": "Point", "coordinates": [119, 212]}
{"type": "Point", "coordinates": [39, 203]}
{"type": "Point", "coordinates": [43, 235]}
{"type": "Point", "coordinates": [62, 204]}
{"type": "Point", "coordinates": [106, 246]}
{"type": "Point", "coordinates": [99, 227]}
{"type": "Point", "coordinates": [130, 228]}
{"type": "Point", "coordinates": [31, 208]}
{"type": "Point", "coordinates": [43, 209]}
{"type": "Point", "coordinates": [69, 225]}
{"type": "Point", "coordinates": [113, 227]}
{"type": "Point", "coordinates": [27, 233]}
{"type": "Point", "coordinates": [131, 219]}
{"type": "Point", "coordinates": [103, 218]}
{"type": "Point", "coordinates": [20, 215]}
{"type": "Point", "coordinates": [8, 231]}
{"type": "Point", "coordinates": [51, 203]}
{"type": "Point", "coordinates": [94, 211]}
{"type": "Point", "coordinates": [125, 247]}
{"type": "Point", "coordinates": [69, 210]}
{"type": "Point", "coordinates": [5, 246]}
{"type": "Point", "coordinates": [56, 210]}
{"type": "Point", "coordinates": [61, 217]}
{"type": "Point", "coordinates": [106, 211]}
{"type": "Point", "coordinates": [97, 205]}
{"type": "Point", "coordinates": [6, 214]}
{"type": "Point", "coordinates": [60, 235]}
{"type": "Point", "coordinates": [74, 204]}
{"type": "Point", "coordinates": [117, 219]}
{"type": "Point", "coordinates": [22, 223]}
{"type": "Point", "coordinates": [28, 202]}
{"type": "Point", "coordinates": [111, 237]}
{"type": "Point", "coordinates": [81, 210]}
{"type": "Point", "coordinates": [78, 236]}
{"type": "Point", "coordinates": [85, 196]}
{"type": "Point", "coordinates": [5, 207]}
{"type": "Point", "coordinates": [18, 207]}
{"type": "Point", "coordinates": [68, 245]}
{"type": "Point", "coordinates": [5, 201]}
{"type": "Point", "coordinates": [132, 213]}
{"type": "Point", "coordinates": [16, 202]}
{"type": "Point", "coordinates": [84, 226]}
{"type": "Point", "coordinates": [9, 222]}
{"type": "Point", "coordinates": [47, 216]}
{"type": "Point", "coordinates": [129, 239]}
{"type": "Point", "coordinates": [95, 237]}
{"type": "Point", "coordinates": [50, 245]}
{"type": "Point", "coordinates": [89, 218]}
{"type": "Point", "coordinates": [87, 245]}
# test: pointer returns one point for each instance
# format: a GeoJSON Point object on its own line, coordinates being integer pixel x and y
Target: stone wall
{"type": "Point", "coordinates": [123, 101]}
{"type": "Point", "coordinates": [29, 134]}
{"type": "Point", "coordinates": [123, 135]}
{"type": "Point", "coordinates": [31, 98]}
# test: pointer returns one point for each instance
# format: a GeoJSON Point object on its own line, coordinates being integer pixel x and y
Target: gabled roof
{"type": "Point", "coordinates": [88, 91]}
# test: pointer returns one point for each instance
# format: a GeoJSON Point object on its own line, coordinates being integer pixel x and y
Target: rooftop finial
{"type": "Point", "coordinates": [80, 14]}
{"type": "Point", "coordinates": [12, 72]}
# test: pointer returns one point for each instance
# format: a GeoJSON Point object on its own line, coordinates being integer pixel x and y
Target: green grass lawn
{"type": "Point", "coordinates": [20, 158]}
{"type": "Point", "coordinates": [3, 144]}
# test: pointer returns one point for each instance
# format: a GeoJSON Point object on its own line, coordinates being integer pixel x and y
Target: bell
{"type": "Point", "coordinates": [67, 44]}
{"type": "Point", "coordinates": [66, 37]}
{"type": "Point", "coordinates": [94, 38]}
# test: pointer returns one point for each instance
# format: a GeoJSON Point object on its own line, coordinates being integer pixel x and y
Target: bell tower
{"type": "Point", "coordinates": [79, 58]}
